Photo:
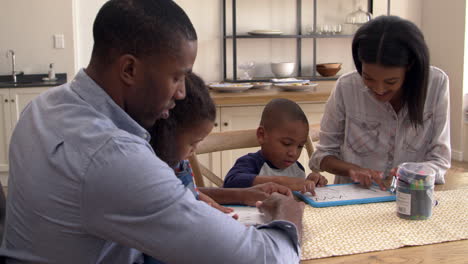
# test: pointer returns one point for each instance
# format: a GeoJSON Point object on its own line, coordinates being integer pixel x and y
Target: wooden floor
{"type": "Point", "coordinates": [458, 167]}
{"type": "Point", "coordinates": [457, 174]}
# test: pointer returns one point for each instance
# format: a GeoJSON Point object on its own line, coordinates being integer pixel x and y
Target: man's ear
{"type": "Point", "coordinates": [261, 135]}
{"type": "Point", "coordinates": [129, 67]}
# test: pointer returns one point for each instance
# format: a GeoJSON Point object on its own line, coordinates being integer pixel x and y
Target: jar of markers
{"type": "Point", "coordinates": [415, 190]}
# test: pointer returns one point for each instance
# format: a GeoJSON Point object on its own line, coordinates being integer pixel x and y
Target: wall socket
{"type": "Point", "coordinates": [59, 41]}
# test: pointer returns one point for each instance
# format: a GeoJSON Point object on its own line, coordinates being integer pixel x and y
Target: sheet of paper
{"type": "Point", "coordinates": [346, 192]}
{"type": "Point", "coordinates": [248, 215]}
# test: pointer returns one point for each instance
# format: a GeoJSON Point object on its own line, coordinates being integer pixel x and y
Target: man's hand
{"type": "Point", "coordinates": [282, 207]}
{"type": "Point", "coordinates": [366, 176]}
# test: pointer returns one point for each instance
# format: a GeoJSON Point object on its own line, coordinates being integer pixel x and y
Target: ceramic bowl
{"type": "Point", "coordinates": [283, 69]}
{"type": "Point", "coordinates": [332, 65]}
{"type": "Point", "coordinates": [328, 69]}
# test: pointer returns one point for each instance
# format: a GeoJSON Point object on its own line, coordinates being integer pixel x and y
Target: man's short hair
{"type": "Point", "coordinates": [281, 110]}
{"type": "Point", "coordinates": [140, 28]}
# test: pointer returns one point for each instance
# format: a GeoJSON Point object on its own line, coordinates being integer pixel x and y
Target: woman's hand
{"type": "Point", "coordinates": [366, 176]}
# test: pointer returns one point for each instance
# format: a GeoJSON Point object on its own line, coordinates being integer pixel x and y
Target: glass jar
{"type": "Point", "coordinates": [358, 17]}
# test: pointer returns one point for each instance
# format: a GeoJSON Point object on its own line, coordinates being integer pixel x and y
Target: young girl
{"type": "Point", "coordinates": [393, 109]}
{"type": "Point", "coordinates": [175, 138]}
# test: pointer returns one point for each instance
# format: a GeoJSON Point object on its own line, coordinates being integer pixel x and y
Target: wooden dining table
{"type": "Point", "coordinates": [455, 252]}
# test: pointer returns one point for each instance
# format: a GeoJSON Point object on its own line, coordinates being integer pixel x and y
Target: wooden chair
{"type": "Point", "coordinates": [229, 140]}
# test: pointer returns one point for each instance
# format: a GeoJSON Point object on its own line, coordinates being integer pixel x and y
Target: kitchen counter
{"type": "Point", "coordinates": [262, 96]}
{"type": "Point", "coordinates": [31, 80]}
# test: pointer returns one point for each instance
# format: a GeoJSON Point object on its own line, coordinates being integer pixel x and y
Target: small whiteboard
{"type": "Point", "coordinates": [248, 215]}
{"type": "Point", "coordinates": [346, 194]}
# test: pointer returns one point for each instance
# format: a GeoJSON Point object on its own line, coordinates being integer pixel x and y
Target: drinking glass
{"type": "Point", "coordinates": [246, 67]}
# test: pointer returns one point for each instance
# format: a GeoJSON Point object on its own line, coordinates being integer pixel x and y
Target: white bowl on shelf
{"type": "Point", "coordinates": [283, 69]}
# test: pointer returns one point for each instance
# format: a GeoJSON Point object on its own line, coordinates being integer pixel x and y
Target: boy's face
{"type": "Point", "coordinates": [159, 82]}
{"type": "Point", "coordinates": [283, 145]}
{"type": "Point", "coordinates": [188, 139]}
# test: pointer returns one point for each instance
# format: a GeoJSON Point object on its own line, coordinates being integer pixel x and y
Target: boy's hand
{"type": "Point", "coordinates": [299, 184]}
{"type": "Point", "coordinates": [262, 191]}
{"type": "Point", "coordinates": [313, 180]}
{"type": "Point", "coordinates": [318, 178]}
{"type": "Point", "coordinates": [293, 183]}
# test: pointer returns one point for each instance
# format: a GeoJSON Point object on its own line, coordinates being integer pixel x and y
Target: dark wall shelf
{"type": "Point", "coordinates": [268, 79]}
{"type": "Point", "coordinates": [289, 36]}
{"type": "Point", "coordinates": [234, 38]}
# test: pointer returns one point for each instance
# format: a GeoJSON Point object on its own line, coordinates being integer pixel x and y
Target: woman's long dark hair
{"type": "Point", "coordinates": [196, 107]}
{"type": "Point", "coordinates": [395, 42]}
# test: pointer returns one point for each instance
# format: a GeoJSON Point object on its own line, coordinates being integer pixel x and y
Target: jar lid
{"type": "Point", "coordinates": [358, 17]}
{"type": "Point", "coordinates": [409, 171]}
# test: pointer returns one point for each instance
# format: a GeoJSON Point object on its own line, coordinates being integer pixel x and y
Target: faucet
{"type": "Point", "coordinates": [13, 64]}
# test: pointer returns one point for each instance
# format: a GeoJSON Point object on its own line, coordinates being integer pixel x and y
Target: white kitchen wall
{"type": "Point", "coordinates": [443, 24]}
{"type": "Point", "coordinates": [85, 12]}
{"type": "Point", "coordinates": [465, 92]}
{"type": "Point", "coordinates": [28, 26]}
{"type": "Point", "coordinates": [206, 16]}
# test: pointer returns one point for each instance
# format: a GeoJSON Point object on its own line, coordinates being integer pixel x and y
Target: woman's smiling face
{"type": "Point", "coordinates": [383, 82]}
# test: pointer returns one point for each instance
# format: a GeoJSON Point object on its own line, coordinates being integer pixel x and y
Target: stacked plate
{"type": "Point", "coordinates": [261, 85]}
{"type": "Point", "coordinates": [288, 80]}
{"type": "Point", "coordinates": [230, 87]}
{"type": "Point", "coordinates": [265, 32]}
{"type": "Point", "coordinates": [301, 86]}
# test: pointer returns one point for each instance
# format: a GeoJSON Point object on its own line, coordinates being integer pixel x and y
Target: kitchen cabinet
{"type": "Point", "coordinates": [13, 101]}
{"type": "Point", "coordinates": [248, 117]}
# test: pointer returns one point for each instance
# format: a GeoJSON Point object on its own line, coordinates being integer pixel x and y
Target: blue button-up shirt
{"type": "Point", "coordinates": [86, 187]}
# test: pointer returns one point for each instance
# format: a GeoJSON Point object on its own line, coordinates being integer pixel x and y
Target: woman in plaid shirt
{"type": "Point", "coordinates": [394, 108]}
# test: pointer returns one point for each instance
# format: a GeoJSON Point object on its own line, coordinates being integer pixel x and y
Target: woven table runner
{"type": "Point", "coordinates": [351, 229]}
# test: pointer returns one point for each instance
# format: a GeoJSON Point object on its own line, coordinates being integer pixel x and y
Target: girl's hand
{"type": "Point", "coordinates": [366, 176]}
{"type": "Point", "coordinates": [205, 198]}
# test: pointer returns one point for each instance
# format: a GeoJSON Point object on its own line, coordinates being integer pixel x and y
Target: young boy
{"type": "Point", "coordinates": [282, 135]}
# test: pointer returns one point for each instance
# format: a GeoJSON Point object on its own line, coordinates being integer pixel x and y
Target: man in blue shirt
{"type": "Point", "coordinates": [86, 187]}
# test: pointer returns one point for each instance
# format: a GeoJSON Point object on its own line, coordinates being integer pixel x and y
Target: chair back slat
{"type": "Point", "coordinates": [219, 141]}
